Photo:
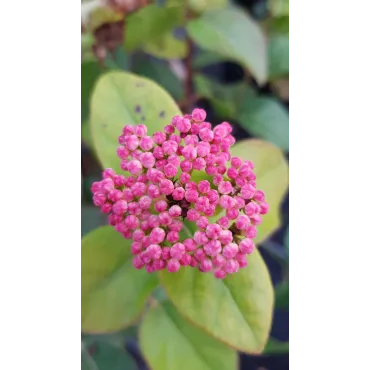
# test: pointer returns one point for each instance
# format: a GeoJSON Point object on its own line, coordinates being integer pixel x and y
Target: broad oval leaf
{"type": "Point", "coordinates": [271, 169]}
{"type": "Point", "coordinates": [234, 34]}
{"type": "Point", "coordinates": [113, 293]}
{"type": "Point", "coordinates": [120, 99]}
{"type": "Point", "coordinates": [169, 342]}
{"type": "Point", "coordinates": [236, 310]}
{"type": "Point", "coordinates": [166, 47]}
{"type": "Point", "coordinates": [266, 118]}
{"type": "Point", "coordinates": [278, 50]}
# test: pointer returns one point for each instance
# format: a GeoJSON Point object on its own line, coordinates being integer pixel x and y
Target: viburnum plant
{"type": "Point", "coordinates": [150, 206]}
{"type": "Point", "coordinates": [186, 207]}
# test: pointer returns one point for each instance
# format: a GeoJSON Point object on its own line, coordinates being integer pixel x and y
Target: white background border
{"type": "Point", "coordinates": [40, 185]}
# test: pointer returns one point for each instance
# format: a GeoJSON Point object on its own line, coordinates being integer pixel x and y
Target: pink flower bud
{"type": "Point", "coordinates": [177, 251]}
{"type": "Point", "coordinates": [99, 199]}
{"type": "Point", "coordinates": [231, 266]}
{"type": "Point", "coordinates": [223, 222]}
{"type": "Point", "coordinates": [225, 187]}
{"type": "Point", "coordinates": [213, 231]}
{"type": "Point", "coordinates": [132, 142]}
{"type": "Point", "coordinates": [202, 222]}
{"type": "Point", "coordinates": [134, 167]}
{"type": "Point", "coordinates": [154, 251]}
{"type": "Point", "coordinates": [174, 160]}
{"type": "Point", "coordinates": [204, 186]}
{"type": "Point", "coordinates": [206, 134]}
{"type": "Point", "coordinates": [251, 232]}
{"type": "Point", "coordinates": [175, 211]}
{"type": "Point", "coordinates": [169, 147]}
{"type": "Point", "coordinates": [246, 246]}
{"type": "Point", "coordinates": [205, 265]}
{"type": "Point", "coordinates": [159, 138]}
{"type": "Point", "coordinates": [212, 248]}
{"type": "Point", "coordinates": [173, 236]}
{"type": "Point", "coordinates": [183, 125]}
{"type": "Point", "coordinates": [200, 237]}
{"type": "Point", "coordinates": [198, 115]}
{"type": "Point", "coordinates": [153, 191]}
{"type": "Point", "coordinates": [230, 250]}
{"type": "Point", "coordinates": [138, 263]}
{"type": "Point", "coordinates": [186, 165]}
{"type": "Point", "coordinates": [147, 160]}
{"type": "Point", "coordinates": [184, 178]}
{"type": "Point", "coordinates": [146, 143]}
{"type": "Point", "coordinates": [232, 213]}
{"type": "Point", "coordinates": [190, 245]}
{"type": "Point", "coordinates": [166, 255]}
{"type": "Point", "coordinates": [192, 215]}
{"type": "Point", "coordinates": [157, 235]}
{"type": "Point", "coordinates": [120, 207]}
{"type": "Point", "coordinates": [178, 193]}
{"type": "Point", "coordinates": [136, 247]}
{"type": "Point", "coordinates": [219, 274]}
{"type": "Point", "coordinates": [247, 191]}
{"type": "Point", "coordinates": [264, 208]}
{"type": "Point", "coordinates": [170, 170]}
{"type": "Point", "coordinates": [242, 222]}
{"type": "Point", "coordinates": [164, 218]}
{"type": "Point", "coordinates": [166, 187]}
{"type": "Point", "coordinates": [140, 130]}
{"type": "Point", "coordinates": [145, 202]}
{"type": "Point", "coordinates": [185, 260]}
{"type": "Point", "coordinates": [173, 265]}
{"type": "Point", "coordinates": [191, 196]}
{"type": "Point", "coordinates": [227, 202]}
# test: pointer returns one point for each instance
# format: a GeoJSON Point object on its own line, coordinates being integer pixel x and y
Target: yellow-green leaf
{"type": "Point", "coordinates": [113, 292]}
{"type": "Point", "coordinates": [170, 342]}
{"type": "Point", "coordinates": [120, 99]}
{"type": "Point", "coordinates": [271, 169]}
{"type": "Point", "coordinates": [236, 310]}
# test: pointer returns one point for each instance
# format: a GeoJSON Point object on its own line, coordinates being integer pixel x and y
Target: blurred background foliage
{"type": "Point", "coordinates": [230, 58]}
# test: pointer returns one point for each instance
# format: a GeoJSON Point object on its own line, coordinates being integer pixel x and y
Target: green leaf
{"type": "Point", "coordinates": [236, 310]}
{"type": "Point", "coordinates": [91, 218]}
{"type": "Point", "coordinates": [90, 72]}
{"type": "Point", "coordinates": [120, 99]}
{"type": "Point", "coordinates": [274, 346]}
{"type": "Point", "coordinates": [95, 15]}
{"type": "Point", "coordinates": [278, 56]}
{"type": "Point", "coordinates": [234, 34]}
{"type": "Point", "coordinates": [106, 356]}
{"type": "Point", "coordinates": [166, 47]}
{"type": "Point", "coordinates": [113, 292]}
{"type": "Point", "coordinates": [279, 25]}
{"type": "Point", "coordinates": [271, 169]}
{"type": "Point", "coordinates": [279, 7]}
{"type": "Point", "coordinates": [151, 23]}
{"type": "Point", "coordinates": [226, 99]}
{"type": "Point", "coordinates": [160, 72]}
{"type": "Point", "coordinates": [286, 240]}
{"type": "Point", "coordinates": [205, 58]}
{"type": "Point", "coordinates": [199, 6]}
{"type": "Point", "coordinates": [282, 295]}
{"type": "Point", "coordinates": [170, 342]}
{"type": "Point", "coordinates": [266, 118]}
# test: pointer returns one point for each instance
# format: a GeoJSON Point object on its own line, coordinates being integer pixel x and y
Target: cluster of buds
{"type": "Point", "coordinates": [159, 200]}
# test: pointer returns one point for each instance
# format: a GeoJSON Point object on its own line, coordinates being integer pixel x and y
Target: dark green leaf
{"type": "Point", "coordinates": [274, 346]}
{"type": "Point", "coordinates": [90, 72]}
{"type": "Point", "coordinates": [278, 56]}
{"type": "Point", "coordinates": [234, 34]}
{"type": "Point", "coordinates": [160, 72]}
{"type": "Point", "coordinates": [282, 295]}
{"type": "Point", "coordinates": [266, 118]}
{"type": "Point", "coordinates": [170, 342]}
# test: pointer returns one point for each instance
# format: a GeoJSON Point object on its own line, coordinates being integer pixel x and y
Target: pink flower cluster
{"type": "Point", "coordinates": [153, 205]}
